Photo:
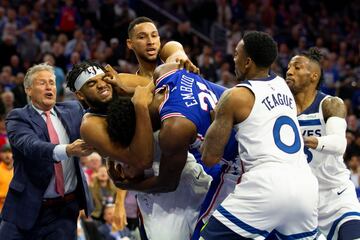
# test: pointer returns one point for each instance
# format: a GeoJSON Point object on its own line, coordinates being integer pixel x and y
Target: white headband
{"type": "Point", "coordinates": [88, 73]}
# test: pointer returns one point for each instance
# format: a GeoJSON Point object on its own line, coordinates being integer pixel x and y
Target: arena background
{"type": "Point", "coordinates": [67, 32]}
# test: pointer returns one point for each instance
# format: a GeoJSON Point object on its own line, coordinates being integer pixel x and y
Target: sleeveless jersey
{"type": "Point", "coordinates": [190, 96]}
{"type": "Point", "coordinates": [329, 169]}
{"type": "Point", "coordinates": [270, 134]}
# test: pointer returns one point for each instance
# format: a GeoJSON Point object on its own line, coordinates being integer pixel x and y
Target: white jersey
{"type": "Point", "coordinates": [173, 215]}
{"type": "Point", "coordinates": [277, 191]}
{"type": "Point", "coordinates": [329, 169]}
{"type": "Point", "coordinates": [337, 198]}
{"type": "Point", "coordinates": [271, 120]}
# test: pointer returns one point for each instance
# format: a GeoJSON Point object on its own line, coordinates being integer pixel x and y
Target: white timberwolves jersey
{"type": "Point", "coordinates": [329, 169]}
{"type": "Point", "coordinates": [273, 121]}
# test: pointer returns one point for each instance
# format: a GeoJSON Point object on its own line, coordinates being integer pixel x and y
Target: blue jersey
{"type": "Point", "coordinates": [190, 96]}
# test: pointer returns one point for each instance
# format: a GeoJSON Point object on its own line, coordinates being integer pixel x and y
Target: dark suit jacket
{"type": "Point", "coordinates": [105, 232]}
{"type": "Point", "coordinates": [33, 162]}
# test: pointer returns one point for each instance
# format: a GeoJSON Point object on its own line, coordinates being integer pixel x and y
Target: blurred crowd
{"type": "Point", "coordinates": [67, 32]}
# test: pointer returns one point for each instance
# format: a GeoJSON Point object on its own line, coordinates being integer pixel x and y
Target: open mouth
{"type": "Point", "coordinates": [49, 95]}
{"type": "Point", "coordinates": [151, 51]}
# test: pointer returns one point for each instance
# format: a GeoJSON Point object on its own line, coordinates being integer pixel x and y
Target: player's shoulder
{"type": "Point", "coordinates": [333, 106]}
{"type": "Point", "coordinates": [333, 101]}
{"type": "Point", "coordinates": [91, 120]}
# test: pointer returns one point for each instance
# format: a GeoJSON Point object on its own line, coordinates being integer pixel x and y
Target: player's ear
{"type": "Point", "coordinates": [314, 76]}
{"type": "Point", "coordinates": [248, 62]}
{"type": "Point", "coordinates": [80, 96]}
{"type": "Point", "coordinates": [129, 43]}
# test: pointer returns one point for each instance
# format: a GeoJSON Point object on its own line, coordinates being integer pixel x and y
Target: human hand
{"type": "Point", "coordinates": [112, 77]}
{"type": "Point", "coordinates": [188, 65]}
{"type": "Point", "coordinates": [311, 142]}
{"type": "Point", "coordinates": [143, 95]}
{"type": "Point", "coordinates": [120, 221]}
{"type": "Point", "coordinates": [114, 170]}
{"type": "Point", "coordinates": [79, 148]}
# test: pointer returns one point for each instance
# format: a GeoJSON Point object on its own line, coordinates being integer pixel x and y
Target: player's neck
{"type": "Point", "coordinates": [258, 74]}
{"type": "Point", "coordinates": [146, 69]}
{"type": "Point", "coordinates": [304, 100]}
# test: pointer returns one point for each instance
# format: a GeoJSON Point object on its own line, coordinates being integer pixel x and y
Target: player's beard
{"type": "Point", "coordinates": [239, 77]}
{"type": "Point", "coordinates": [101, 107]}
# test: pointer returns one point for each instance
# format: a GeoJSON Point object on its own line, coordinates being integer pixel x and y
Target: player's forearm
{"type": "Point", "coordinates": [213, 146]}
{"type": "Point", "coordinates": [331, 144]}
{"type": "Point", "coordinates": [335, 140]}
{"type": "Point", "coordinates": [142, 143]}
{"type": "Point", "coordinates": [120, 198]}
{"type": "Point", "coordinates": [132, 80]}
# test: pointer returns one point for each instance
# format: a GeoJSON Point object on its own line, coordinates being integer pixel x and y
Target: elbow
{"type": "Point", "coordinates": [342, 147]}
{"type": "Point", "coordinates": [145, 164]}
{"type": "Point", "coordinates": [208, 160]}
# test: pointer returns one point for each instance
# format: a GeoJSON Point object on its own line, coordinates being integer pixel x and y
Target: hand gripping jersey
{"type": "Point", "coordinates": [337, 197]}
{"type": "Point", "coordinates": [190, 96]}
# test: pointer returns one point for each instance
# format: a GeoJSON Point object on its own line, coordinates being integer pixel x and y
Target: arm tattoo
{"type": "Point", "coordinates": [333, 107]}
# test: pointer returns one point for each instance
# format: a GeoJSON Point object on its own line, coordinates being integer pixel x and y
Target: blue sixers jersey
{"type": "Point", "coordinates": [190, 96]}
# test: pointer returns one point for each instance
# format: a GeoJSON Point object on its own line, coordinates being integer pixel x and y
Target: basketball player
{"type": "Point", "coordinates": [144, 41]}
{"type": "Point", "coordinates": [277, 191]}
{"type": "Point", "coordinates": [323, 126]}
{"type": "Point", "coordinates": [93, 90]}
{"type": "Point", "coordinates": [181, 110]}
{"type": "Point", "coordinates": [87, 81]}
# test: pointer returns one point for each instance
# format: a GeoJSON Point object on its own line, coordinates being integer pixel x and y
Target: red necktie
{"type": "Point", "coordinates": [59, 176]}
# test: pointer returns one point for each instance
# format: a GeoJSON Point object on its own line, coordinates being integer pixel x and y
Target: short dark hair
{"type": "Point", "coordinates": [121, 121]}
{"type": "Point", "coordinates": [314, 55]}
{"type": "Point", "coordinates": [260, 47]}
{"type": "Point", "coordinates": [77, 69]}
{"type": "Point", "coordinates": [137, 21]}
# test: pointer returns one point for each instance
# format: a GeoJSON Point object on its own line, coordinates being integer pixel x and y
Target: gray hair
{"type": "Point", "coordinates": [29, 77]}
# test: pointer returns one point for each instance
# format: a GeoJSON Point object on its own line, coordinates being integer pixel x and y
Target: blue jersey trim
{"type": "Point", "coordinates": [314, 107]}
{"type": "Point", "coordinates": [311, 122]}
{"type": "Point", "coordinates": [297, 235]}
{"type": "Point", "coordinates": [336, 222]}
{"type": "Point", "coordinates": [240, 223]}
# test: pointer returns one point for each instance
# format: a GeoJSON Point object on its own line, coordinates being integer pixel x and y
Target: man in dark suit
{"type": "Point", "coordinates": [49, 187]}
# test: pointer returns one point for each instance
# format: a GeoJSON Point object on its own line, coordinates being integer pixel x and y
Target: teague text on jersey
{"type": "Point", "coordinates": [278, 99]}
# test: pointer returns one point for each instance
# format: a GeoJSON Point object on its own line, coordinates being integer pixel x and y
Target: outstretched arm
{"type": "Point", "coordinates": [334, 142]}
{"type": "Point", "coordinates": [219, 132]}
{"type": "Point", "coordinates": [233, 107]}
{"type": "Point", "coordinates": [124, 83]}
{"type": "Point", "coordinates": [173, 158]}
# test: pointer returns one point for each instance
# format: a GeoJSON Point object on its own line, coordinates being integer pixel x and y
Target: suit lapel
{"type": "Point", "coordinates": [38, 120]}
